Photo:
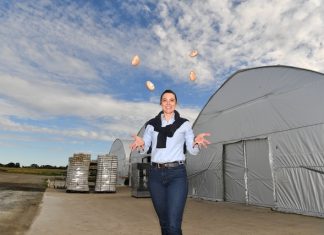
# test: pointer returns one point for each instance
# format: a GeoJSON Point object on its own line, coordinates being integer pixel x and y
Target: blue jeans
{"type": "Point", "coordinates": [169, 189]}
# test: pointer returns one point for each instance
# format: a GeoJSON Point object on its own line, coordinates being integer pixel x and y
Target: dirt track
{"type": "Point", "coordinates": [119, 213]}
{"type": "Point", "coordinates": [20, 196]}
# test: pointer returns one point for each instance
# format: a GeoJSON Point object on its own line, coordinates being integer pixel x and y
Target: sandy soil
{"type": "Point", "coordinates": [20, 196]}
{"type": "Point", "coordinates": [119, 213]}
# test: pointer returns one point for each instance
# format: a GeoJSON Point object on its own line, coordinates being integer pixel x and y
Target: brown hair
{"type": "Point", "coordinates": [168, 91]}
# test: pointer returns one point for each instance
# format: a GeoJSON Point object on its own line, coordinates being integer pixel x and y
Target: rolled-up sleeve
{"type": "Point", "coordinates": [189, 137]}
{"type": "Point", "coordinates": [147, 137]}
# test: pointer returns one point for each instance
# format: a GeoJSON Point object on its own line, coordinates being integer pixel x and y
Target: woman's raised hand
{"type": "Point", "coordinates": [201, 141]}
{"type": "Point", "coordinates": [138, 143]}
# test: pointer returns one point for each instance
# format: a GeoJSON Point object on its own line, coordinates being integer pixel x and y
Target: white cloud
{"type": "Point", "coordinates": [114, 117]}
{"type": "Point", "coordinates": [248, 34]}
{"type": "Point", "coordinates": [226, 35]}
{"type": "Point", "coordinates": [54, 59]}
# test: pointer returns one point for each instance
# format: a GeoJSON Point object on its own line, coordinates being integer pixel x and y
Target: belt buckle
{"type": "Point", "coordinates": [169, 164]}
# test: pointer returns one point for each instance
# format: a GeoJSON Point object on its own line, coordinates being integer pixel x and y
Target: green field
{"type": "Point", "coordinates": [34, 171]}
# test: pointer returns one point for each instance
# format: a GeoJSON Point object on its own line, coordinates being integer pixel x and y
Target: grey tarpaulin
{"type": "Point", "coordinates": [267, 133]}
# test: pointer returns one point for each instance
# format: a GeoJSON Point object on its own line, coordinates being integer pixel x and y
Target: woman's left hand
{"type": "Point", "coordinates": [201, 141]}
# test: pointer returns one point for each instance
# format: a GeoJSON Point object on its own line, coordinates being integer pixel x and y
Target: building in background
{"type": "Point", "coordinates": [267, 134]}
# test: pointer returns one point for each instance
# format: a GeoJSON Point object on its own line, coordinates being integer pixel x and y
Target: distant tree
{"type": "Point", "coordinates": [17, 165]}
{"type": "Point", "coordinates": [34, 165]}
{"type": "Point", "coordinates": [47, 166]}
{"type": "Point", "coordinates": [11, 164]}
{"type": "Point", "coordinates": [52, 167]}
{"type": "Point", "coordinates": [1, 164]}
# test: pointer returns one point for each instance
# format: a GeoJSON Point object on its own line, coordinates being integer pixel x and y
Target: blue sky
{"type": "Point", "coordinates": [66, 80]}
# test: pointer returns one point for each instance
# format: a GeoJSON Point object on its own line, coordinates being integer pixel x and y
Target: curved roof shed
{"type": "Point", "coordinates": [267, 133]}
{"type": "Point", "coordinates": [120, 148]}
{"type": "Point", "coordinates": [126, 157]}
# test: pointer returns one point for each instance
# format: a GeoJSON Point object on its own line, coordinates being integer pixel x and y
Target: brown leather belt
{"type": "Point", "coordinates": [167, 164]}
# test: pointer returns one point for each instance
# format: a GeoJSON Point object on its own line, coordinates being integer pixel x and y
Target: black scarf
{"type": "Point", "coordinates": [167, 131]}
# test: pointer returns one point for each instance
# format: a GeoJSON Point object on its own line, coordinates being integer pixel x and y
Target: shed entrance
{"type": "Point", "coordinates": [247, 173]}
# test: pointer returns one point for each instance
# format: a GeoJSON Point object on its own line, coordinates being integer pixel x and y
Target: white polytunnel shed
{"type": "Point", "coordinates": [120, 148]}
{"type": "Point", "coordinates": [267, 134]}
{"type": "Point", "coordinates": [135, 156]}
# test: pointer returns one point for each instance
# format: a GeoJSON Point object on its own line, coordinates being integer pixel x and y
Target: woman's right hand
{"type": "Point", "coordinates": [138, 143]}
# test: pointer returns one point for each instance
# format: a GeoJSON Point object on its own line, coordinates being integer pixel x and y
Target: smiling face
{"type": "Point", "coordinates": [168, 103]}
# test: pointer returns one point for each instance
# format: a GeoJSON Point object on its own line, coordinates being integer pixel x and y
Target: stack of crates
{"type": "Point", "coordinates": [139, 179]}
{"type": "Point", "coordinates": [92, 175]}
{"type": "Point", "coordinates": [106, 173]}
{"type": "Point", "coordinates": [77, 173]}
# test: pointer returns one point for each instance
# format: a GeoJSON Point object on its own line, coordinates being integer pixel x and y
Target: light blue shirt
{"type": "Point", "coordinates": [174, 145]}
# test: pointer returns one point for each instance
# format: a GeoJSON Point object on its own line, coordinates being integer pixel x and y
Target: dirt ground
{"type": "Point", "coordinates": [20, 196]}
{"type": "Point", "coordinates": [119, 213]}
{"type": "Point", "coordinates": [25, 209]}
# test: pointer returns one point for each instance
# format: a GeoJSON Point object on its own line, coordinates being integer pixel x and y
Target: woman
{"type": "Point", "coordinates": [169, 135]}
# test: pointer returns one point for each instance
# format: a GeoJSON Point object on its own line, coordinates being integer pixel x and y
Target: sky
{"type": "Point", "coordinates": [66, 80]}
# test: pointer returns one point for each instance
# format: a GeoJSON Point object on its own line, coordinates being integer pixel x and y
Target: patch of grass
{"type": "Point", "coordinates": [34, 171]}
